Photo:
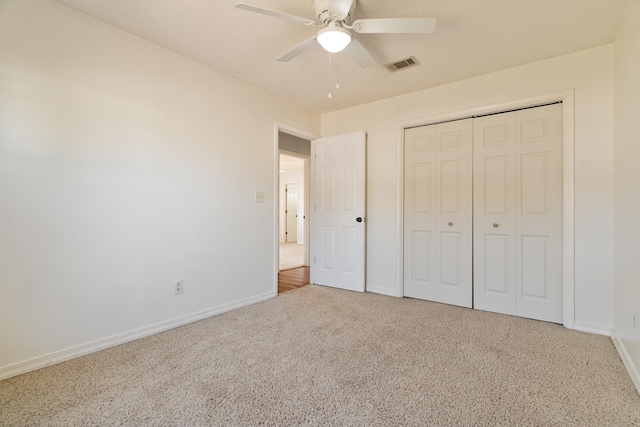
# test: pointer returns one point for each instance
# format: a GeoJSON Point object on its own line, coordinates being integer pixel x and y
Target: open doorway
{"type": "Point", "coordinates": [292, 241]}
{"type": "Point", "coordinates": [293, 210]}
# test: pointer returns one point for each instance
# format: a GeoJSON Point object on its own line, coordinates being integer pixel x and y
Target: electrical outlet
{"type": "Point", "coordinates": [178, 287]}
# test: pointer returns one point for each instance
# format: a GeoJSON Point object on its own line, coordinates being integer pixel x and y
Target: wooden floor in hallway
{"type": "Point", "coordinates": [292, 279]}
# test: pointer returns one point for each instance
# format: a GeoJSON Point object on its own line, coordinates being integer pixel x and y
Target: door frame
{"type": "Point", "coordinates": [284, 128]}
{"type": "Point", "coordinates": [568, 188]}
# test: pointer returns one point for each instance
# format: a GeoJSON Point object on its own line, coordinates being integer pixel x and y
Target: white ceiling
{"type": "Point", "coordinates": [473, 37]}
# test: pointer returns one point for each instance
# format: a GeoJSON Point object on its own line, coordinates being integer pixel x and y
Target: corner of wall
{"type": "Point", "coordinates": [627, 360]}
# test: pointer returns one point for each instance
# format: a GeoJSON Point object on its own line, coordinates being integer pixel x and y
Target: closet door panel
{"type": "Point", "coordinates": [494, 214]}
{"type": "Point", "coordinates": [438, 213]}
{"type": "Point", "coordinates": [518, 213]}
{"type": "Point", "coordinates": [538, 151]}
{"type": "Point", "coordinates": [455, 212]}
{"type": "Point", "coordinates": [420, 212]}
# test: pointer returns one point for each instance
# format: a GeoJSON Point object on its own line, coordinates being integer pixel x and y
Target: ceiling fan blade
{"type": "Point", "coordinates": [274, 13]}
{"type": "Point", "coordinates": [305, 45]}
{"type": "Point", "coordinates": [395, 25]}
{"type": "Point", "coordinates": [359, 54]}
{"type": "Point", "coordinates": [340, 8]}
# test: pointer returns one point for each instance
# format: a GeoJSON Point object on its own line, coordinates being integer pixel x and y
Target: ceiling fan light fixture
{"type": "Point", "coordinates": [333, 38]}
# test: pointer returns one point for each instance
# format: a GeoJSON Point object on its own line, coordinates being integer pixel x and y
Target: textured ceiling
{"type": "Point", "coordinates": [473, 37]}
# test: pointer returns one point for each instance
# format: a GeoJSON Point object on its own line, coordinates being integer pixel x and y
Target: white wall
{"type": "Point", "coordinates": [627, 188]}
{"type": "Point", "coordinates": [590, 74]}
{"type": "Point", "coordinates": [123, 167]}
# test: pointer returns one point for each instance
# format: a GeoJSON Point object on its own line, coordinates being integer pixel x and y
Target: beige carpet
{"type": "Point", "coordinates": [323, 357]}
{"type": "Point", "coordinates": [291, 256]}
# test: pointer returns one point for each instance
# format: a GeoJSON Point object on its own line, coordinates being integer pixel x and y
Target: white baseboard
{"type": "Point", "coordinates": [592, 329]}
{"type": "Point", "coordinates": [381, 291]}
{"type": "Point", "coordinates": [83, 349]}
{"type": "Point", "coordinates": [626, 359]}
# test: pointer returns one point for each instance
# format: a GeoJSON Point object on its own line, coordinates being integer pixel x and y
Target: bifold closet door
{"type": "Point", "coordinates": [518, 213]}
{"type": "Point", "coordinates": [438, 213]}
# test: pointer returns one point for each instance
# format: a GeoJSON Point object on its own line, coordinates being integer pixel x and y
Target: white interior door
{"type": "Point", "coordinates": [338, 215]}
{"type": "Point", "coordinates": [539, 213]}
{"type": "Point", "coordinates": [494, 213]}
{"type": "Point", "coordinates": [291, 211]}
{"type": "Point", "coordinates": [518, 213]}
{"type": "Point", "coordinates": [438, 213]}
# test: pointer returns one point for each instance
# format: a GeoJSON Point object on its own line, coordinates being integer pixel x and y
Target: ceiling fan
{"type": "Point", "coordinates": [336, 19]}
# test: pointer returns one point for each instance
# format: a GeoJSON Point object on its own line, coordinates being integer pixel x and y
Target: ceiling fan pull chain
{"type": "Point", "coordinates": [330, 70]}
{"type": "Point", "coordinates": [337, 71]}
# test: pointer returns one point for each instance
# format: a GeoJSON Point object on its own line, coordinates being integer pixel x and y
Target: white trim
{"type": "Point", "coordinates": [281, 127]}
{"type": "Point", "coordinates": [381, 291]}
{"type": "Point", "coordinates": [568, 166]}
{"type": "Point", "coordinates": [632, 369]}
{"type": "Point", "coordinates": [568, 209]}
{"type": "Point", "coordinates": [101, 344]}
{"type": "Point", "coordinates": [592, 329]}
{"type": "Point", "coordinates": [400, 214]}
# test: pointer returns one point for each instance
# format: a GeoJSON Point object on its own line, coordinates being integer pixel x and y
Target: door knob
{"type": "Point", "coordinates": [359, 219]}
{"type": "Point", "coordinates": [495, 225]}
{"type": "Point", "coordinates": [450, 224]}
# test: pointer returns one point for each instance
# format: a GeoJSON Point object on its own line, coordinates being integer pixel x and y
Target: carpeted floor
{"type": "Point", "coordinates": [326, 357]}
{"type": "Point", "coordinates": [291, 255]}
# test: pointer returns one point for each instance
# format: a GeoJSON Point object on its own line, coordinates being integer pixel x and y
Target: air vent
{"type": "Point", "coordinates": [402, 64]}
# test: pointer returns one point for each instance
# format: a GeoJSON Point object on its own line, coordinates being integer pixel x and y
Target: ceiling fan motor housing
{"type": "Point", "coordinates": [324, 16]}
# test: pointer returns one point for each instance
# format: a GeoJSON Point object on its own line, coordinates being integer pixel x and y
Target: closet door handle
{"type": "Point", "coordinates": [450, 224]}
{"type": "Point", "coordinates": [495, 225]}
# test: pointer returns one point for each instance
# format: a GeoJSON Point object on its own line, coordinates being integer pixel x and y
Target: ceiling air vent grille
{"type": "Point", "coordinates": [402, 64]}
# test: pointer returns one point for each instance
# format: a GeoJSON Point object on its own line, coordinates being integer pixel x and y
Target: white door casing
{"type": "Point", "coordinates": [518, 213]}
{"type": "Point", "coordinates": [438, 213]}
{"type": "Point", "coordinates": [338, 237]}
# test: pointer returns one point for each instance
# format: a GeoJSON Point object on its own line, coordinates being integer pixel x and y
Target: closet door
{"type": "Point", "coordinates": [494, 211]}
{"type": "Point", "coordinates": [438, 213]}
{"type": "Point", "coordinates": [539, 213]}
{"type": "Point", "coordinates": [518, 213]}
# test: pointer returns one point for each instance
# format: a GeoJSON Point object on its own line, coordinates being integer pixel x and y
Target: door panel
{"type": "Point", "coordinates": [422, 256]}
{"type": "Point", "coordinates": [539, 212]}
{"type": "Point", "coordinates": [339, 184]}
{"type": "Point", "coordinates": [494, 254]}
{"type": "Point", "coordinates": [496, 264]}
{"type": "Point", "coordinates": [438, 211]}
{"type": "Point", "coordinates": [449, 186]}
{"type": "Point", "coordinates": [422, 188]}
{"type": "Point", "coordinates": [518, 213]}
{"type": "Point", "coordinates": [495, 186]}
{"type": "Point", "coordinates": [291, 212]}
{"type": "Point", "coordinates": [534, 267]}
{"type": "Point", "coordinates": [449, 250]}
